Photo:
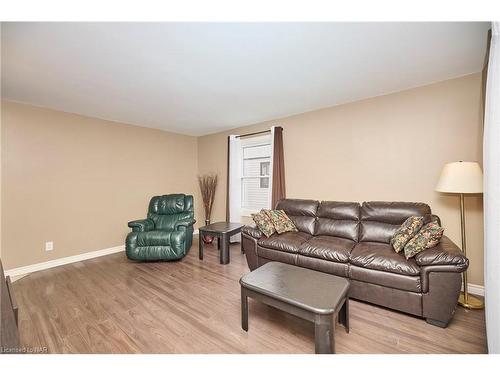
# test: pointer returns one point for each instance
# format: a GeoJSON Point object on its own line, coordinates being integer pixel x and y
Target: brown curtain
{"type": "Point", "coordinates": [278, 182]}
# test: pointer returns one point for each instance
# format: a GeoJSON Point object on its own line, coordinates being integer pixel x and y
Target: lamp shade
{"type": "Point", "coordinates": [461, 177]}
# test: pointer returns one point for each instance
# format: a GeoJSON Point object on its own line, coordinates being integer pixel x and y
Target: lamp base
{"type": "Point", "coordinates": [472, 302]}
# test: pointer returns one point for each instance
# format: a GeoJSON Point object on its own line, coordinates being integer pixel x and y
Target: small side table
{"type": "Point", "coordinates": [223, 231]}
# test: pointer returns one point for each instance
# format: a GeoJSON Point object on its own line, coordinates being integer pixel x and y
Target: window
{"type": "Point", "coordinates": [256, 163]}
{"type": "Point", "coordinates": [264, 171]}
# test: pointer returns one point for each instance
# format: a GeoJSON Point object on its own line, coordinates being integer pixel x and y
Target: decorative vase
{"type": "Point", "coordinates": [207, 239]}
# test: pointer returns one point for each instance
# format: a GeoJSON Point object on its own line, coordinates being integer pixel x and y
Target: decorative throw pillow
{"type": "Point", "coordinates": [406, 232]}
{"type": "Point", "coordinates": [282, 223]}
{"type": "Point", "coordinates": [429, 236]}
{"type": "Point", "coordinates": [264, 223]}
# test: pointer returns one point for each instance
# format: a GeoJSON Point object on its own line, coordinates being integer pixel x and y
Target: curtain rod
{"type": "Point", "coordinates": [256, 133]}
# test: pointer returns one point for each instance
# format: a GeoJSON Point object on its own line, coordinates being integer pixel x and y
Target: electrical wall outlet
{"type": "Point", "coordinates": [49, 246]}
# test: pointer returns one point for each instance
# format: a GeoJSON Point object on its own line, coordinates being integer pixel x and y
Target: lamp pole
{"type": "Point", "coordinates": [465, 300]}
{"type": "Point", "coordinates": [463, 177]}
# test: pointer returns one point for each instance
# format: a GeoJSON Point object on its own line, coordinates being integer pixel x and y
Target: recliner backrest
{"type": "Point", "coordinates": [301, 211]}
{"type": "Point", "coordinates": [339, 219]}
{"type": "Point", "coordinates": [167, 210]}
{"type": "Point", "coordinates": [380, 220]}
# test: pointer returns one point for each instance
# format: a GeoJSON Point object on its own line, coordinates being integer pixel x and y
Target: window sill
{"type": "Point", "coordinates": [247, 211]}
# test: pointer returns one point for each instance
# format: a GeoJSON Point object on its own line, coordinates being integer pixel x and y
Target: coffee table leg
{"type": "Point", "coordinates": [324, 334]}
{"type": "Point", "coordinates": [200, 245]}
{"type": "Point", "coordinates": [244, 310]}
{"type": "Point", "coordinates": [224, 253]}
{"type": "Point", "coordinates": [344, 315]}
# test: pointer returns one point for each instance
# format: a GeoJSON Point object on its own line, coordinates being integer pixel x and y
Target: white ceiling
{"type": "Point", "coordinates": [200, 78]}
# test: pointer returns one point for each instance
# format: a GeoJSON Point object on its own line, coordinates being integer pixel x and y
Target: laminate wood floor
{"type": "Point", "coordinates": [112, 305]}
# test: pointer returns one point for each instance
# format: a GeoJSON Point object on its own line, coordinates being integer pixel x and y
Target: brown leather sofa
{"type": "Point", "coordinates": [352, 240]}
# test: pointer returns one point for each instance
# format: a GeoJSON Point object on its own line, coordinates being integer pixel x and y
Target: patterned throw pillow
{"type": "Point", "coordinates": [264, 223]}
{"type": "Point", "coordinates": [281, 221]}
{"type": "Point", "coordinates": [429, 236]}
{"type": "Point", "coordinates": [406, 232]}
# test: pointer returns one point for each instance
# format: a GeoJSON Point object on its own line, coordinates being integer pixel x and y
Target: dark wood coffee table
{"type": "Point", "coordinates": [223, 231]}
{"type": "Point", "coordinates": [312, 295]}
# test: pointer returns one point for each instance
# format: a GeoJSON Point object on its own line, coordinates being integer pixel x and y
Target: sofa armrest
{"type": "Point", "coordinates": [183, 224]}
{"type": "Point", "coordinates": [252, 231]}
{"type": "Point", "coordinates": [144, 225]}
{"type": "Point", "coordinates": [445, 253]}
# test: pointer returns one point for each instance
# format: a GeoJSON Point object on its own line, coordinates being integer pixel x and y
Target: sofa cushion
{"type": "Point", "coordinates": [281, 222]}
{"type": "Point", "coordinates": [153, 238]}
{"type": "Point", "coordinates": [276, 255]}
{"type": "Point", "coordinates": [168, 204]}
{"type": "Point", "coordinates": [156, 245]}
{"type": "Point", "coordinates": [264, 223]}
{"type": "Point", "coordinates": [380, 256]}
{"type": "Point", "coordinates": [301, 211]}
{"type": "Point", "coordinates": [428, 237]}
{"type": "Point", "coordinates": [406, 232]}
{"type": "Point", "coordinates": [167, 210]}
{"type": "Point", "coordinates": [335, 249]}
{"type": "Point", "coordinates": [339, 219]}
{"type": "Point", "coordinates": [388, 279]}
{"type": "Point", "coordinates": [289, 241]}
{"type": "Point", "coordinates": [322, 265]}
{"type": "Point", "coordinates": [380, 220]}
{"type": "Point", "coordinates": [167, 222]}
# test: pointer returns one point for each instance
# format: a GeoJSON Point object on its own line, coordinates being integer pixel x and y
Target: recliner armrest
{"type": "Point", "coordinates": [252, 231]}
{"type": "Point", "coordinates": [444, 253]}
{"type": "Point", "coordinates": [184, 223]}
{"type": "Point", "coordinates": [144, 225]}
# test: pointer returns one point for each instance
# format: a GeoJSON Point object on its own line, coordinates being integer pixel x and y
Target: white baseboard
{"type": "Point", "coordinates": [15, 278]}
{"type": "Point", "coordinates": [478, 290]}
{"type": "Point", "coordinates": [17, 273]}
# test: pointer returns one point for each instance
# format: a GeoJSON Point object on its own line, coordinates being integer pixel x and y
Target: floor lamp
{"type": "Point", "coordinates": [463, 178]}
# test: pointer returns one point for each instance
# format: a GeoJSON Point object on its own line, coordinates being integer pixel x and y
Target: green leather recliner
{"type": "Point", "coordinates": [167, 233]}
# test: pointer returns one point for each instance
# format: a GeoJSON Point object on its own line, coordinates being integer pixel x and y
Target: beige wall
{"type": "Point", "coordinates": [77, 180]}
{"type": "Point", "coordinates": [390, 147]}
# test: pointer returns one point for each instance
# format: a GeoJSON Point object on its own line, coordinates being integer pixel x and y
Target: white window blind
{"type": "Point", "coordinates": [255, 163]}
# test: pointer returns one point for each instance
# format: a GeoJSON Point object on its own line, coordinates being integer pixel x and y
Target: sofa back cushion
{"type": "Point", "coordinates": [380, 220]}
{"type": "Point", "coordinates": [338, 219]}
{"type": "Point", "coordinates": [167, 210]}
{"type": "Point", "coordinates": [302, 212]}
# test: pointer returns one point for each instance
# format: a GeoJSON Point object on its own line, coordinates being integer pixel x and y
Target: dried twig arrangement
{"type": "Point", "coordinates": [208, 184]}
